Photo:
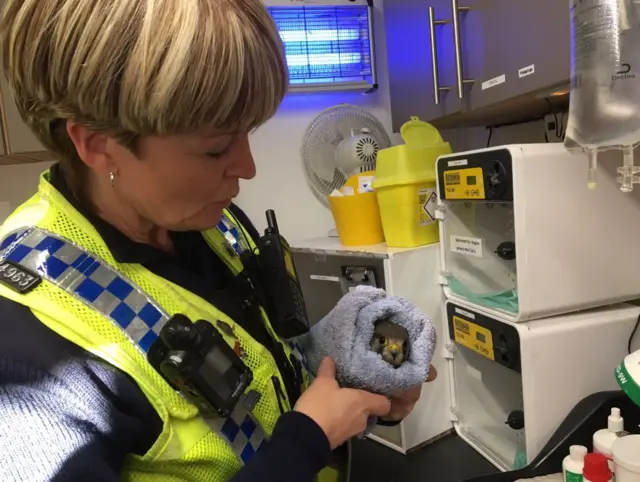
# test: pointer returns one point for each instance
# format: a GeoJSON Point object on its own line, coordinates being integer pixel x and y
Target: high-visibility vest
{"type": "Point", "coordinates": [115, 311]}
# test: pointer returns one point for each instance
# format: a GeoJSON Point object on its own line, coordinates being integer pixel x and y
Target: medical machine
{"type": "Point", "coordinates": [514, 383]}
{"type": "Point", "coordinates": [522, 239]}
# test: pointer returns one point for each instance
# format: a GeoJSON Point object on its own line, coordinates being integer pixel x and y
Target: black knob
{"type": "Point", "coordinates": [506, 250]}
{"type": "Point", "coordinates": [495, 180]}
{"type": "Point", "coordinates": [179, 333]}
{"type": "Point", "coordinates": [516, 420]}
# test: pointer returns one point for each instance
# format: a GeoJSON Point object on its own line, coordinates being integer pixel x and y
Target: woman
{"type": "Point", "coordinates": [148, 105]}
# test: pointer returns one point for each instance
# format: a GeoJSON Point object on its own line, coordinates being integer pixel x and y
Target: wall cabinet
{"type": "Point", "coordinates": [530, 44]}
{"type": "Point", "coordinates": [460, 63]}
{"type": "Point", "coordinates": [18, 144]}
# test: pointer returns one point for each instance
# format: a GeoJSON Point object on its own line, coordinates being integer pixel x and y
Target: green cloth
{"type": "Point", "coordinates": [505, 300]}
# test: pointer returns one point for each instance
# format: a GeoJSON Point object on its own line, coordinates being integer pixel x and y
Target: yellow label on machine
{"type": "Point", "coordinates": [474, 337]}
{"type": "Point", "coordinates": [464, 184]}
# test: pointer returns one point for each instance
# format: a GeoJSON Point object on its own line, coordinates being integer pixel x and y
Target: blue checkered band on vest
{"type": "Point", "coordinates": [232, 235]}
{"type": "Point", "coordinates": [297, 351]}
{"type": "Point", "coordinates": [92, 281]}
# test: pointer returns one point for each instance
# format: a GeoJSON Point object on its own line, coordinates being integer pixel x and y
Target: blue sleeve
{"type": "Point", "coordinates": [46, 437]}
{"type": "Point", "coordinates": [64, 415]}
{"type": "Point", "coordinates": [297, 451]}
{"type": "Point", "coordinates": [46, 434]}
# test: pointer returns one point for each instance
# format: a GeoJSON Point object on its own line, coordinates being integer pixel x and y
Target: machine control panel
{"type": "Point", "coordinates": [482, 176]}
{"type": "Point", "coordinates": [496, 340]}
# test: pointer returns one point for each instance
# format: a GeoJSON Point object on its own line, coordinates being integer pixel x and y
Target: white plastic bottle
{"type": "Point", "coordinates": [626, 455]}
{"type": "Point", "coordinates": [574, 463]}
{"type": "Point", "coordinates": [603, 439]}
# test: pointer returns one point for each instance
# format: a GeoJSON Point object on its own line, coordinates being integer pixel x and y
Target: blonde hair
{"type": "Point", "coordinates": [133, 68]}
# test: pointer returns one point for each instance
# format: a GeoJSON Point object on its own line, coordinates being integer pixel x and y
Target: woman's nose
{"type": "Point", "coordinates": [242, 165]}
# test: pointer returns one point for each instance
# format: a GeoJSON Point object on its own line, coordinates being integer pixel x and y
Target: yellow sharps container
{"type": "Point", "coordinates": [405, 184]}
{"type": "Point", "coordinates": [357, 216]}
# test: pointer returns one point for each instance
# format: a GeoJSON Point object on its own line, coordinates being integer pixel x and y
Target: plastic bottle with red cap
{"type": "Point", "coordinates": [596, 468]}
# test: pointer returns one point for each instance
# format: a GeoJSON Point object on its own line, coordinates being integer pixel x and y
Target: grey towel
{"type": "Point", "coordinates": [345, 335]}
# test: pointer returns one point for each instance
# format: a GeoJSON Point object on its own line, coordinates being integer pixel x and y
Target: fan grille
{"type": "Point", "coordinates": [367, 150]}
{"type": "Point", "coordinates": [326, 132]}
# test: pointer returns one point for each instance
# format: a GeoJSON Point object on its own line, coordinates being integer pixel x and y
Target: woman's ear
{"type": "Point", "coordinates": [92, 148]}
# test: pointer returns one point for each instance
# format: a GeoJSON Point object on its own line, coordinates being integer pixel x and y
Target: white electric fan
{"type": "Point", "coordinates": [342, 141]}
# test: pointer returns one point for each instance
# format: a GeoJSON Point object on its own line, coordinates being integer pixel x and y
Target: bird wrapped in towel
{"type": "Point", "coordinates": [382, 344]}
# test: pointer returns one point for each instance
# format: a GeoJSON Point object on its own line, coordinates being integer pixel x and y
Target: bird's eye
{"type": "Point", "coordinates": [382, 340]}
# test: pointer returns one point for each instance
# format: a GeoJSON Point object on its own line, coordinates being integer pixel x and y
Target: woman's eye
{"type": "Point", "coordinates": [217, 155]}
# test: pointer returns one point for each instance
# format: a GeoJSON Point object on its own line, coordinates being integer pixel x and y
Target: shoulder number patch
{"type": "Point", "coordinates": [18, 278]}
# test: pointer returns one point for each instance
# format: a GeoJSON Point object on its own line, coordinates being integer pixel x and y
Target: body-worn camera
{"type": "Point", "coordinates": [195, 359]}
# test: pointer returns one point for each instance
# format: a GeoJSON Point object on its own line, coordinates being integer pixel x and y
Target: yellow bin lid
{"type": "Point", "coordinates": [415, 160]}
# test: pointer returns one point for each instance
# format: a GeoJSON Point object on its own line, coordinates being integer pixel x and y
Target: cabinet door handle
{"type": "Point", "coordinates": [434, 56]}
{"type": "Point", "coordinates": [456, 9]}
{"type": "Point", "coordinates": [4, 126]}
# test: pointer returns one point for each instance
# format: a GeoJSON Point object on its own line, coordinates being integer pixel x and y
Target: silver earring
{"type": "Point", "coordinates": [112, 179]}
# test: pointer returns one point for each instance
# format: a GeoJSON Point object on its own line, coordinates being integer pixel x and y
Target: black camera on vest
{"type": "Point", "coordinates": [195, 359]}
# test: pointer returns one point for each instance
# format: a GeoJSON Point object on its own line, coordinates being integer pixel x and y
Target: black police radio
{"type": "Point", "coordinates": [197, 361]}
{"type": "Point", "coordinates": [274, 273]}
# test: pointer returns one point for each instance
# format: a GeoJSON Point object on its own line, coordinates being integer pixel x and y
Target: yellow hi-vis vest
{"type": "Point", "coordinates": [84, 292]}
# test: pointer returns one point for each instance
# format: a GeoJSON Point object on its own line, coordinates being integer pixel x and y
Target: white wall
{"type": "Point", "coordinates": [17, 184]}
{"type": "Point", "coordinates": [281, 183]}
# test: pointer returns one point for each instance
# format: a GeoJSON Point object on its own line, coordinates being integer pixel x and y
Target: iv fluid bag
{"type": "Point", "coordinates": [604, 110]}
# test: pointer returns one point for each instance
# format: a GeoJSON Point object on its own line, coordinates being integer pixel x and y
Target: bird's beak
{"type": "Point", "coordinates": [395, 349]}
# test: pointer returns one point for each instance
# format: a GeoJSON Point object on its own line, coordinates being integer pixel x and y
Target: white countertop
{"type": "Point", "coordinates": [333, 246]}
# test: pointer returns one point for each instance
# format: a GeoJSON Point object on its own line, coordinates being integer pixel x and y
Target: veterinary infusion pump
{"type": "Point", "coordinates": [512, 384]}
{"type": "Point", "coordinates": [522, 238]}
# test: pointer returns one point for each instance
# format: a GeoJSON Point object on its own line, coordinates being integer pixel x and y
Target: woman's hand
{"type": "Point", "coordinates": [341, 413]}
{"type": "Point", "coordinates": [402, 403]}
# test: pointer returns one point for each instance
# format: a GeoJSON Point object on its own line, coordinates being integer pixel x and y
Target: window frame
{"type": "Point", "coordinates": [311, 86]}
